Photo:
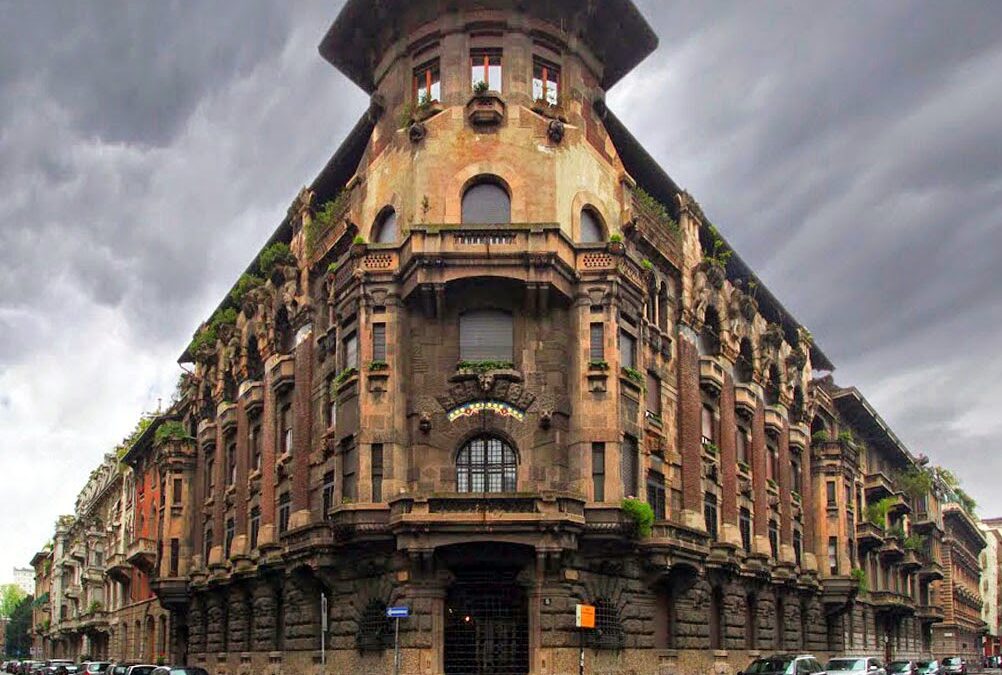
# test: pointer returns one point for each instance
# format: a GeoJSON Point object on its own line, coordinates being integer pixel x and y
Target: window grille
{"type": "Point", "coordinates": [710, 514]}
{"type": "Point", "coordinates": [486, 464]}
{"type": "Point", "coordinates": [375, 630]}
{"type": "Point", "coordinates": [608, 633]}
{"type": "Point", "coordinates": [629, 462]}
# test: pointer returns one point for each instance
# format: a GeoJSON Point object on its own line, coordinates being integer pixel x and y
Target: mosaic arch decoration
{"type": "Point", "coordinates": [474, 407]}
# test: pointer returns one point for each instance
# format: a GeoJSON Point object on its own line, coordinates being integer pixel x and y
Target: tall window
{"type": "Point", "coordinates": [774, 539]}
{"type": "Point", "coordinates": [255, 445]}
{"type": "Point", "coordinates": [627, 350]}
{"type": "Point", "coordinates": [796, 478]}
{"type": "Point", "coordinates": [349, 470]}
{"type": "Point", "coordinates": [653, 395]}
{"type": "Point", "coordinates": [255, 526]}
{"type": "Point", "coordinates": [210, 475]}
{"type": "Point", "coordinates": [328, 493]}
{"type": "Point", "coordinates": [379, 342]}
{"type": "Point", "coordinates": [176, 492]}
{"type": "Point", "coordinates": [830, 494]}
{"type": "Point", "coordinates": [486, 464]}
{"type": "Point", "coordinates": [385, 230]}
{"type": "Point", "coordinates": [330, 413]}
{"type": "Point", "coordinates": [598, 471]}
{"type": "Point", "coordinates": [427, 82]}
{"type": "Point", "coordinates": [741, 443]}
{"type": "Point", "coordinates": [744, 524]}
{"type": "Point", "coordinates": [175, 557]}
{"type": "Point", "coordinates": [710, 514]}
{"type": "Point", "coordinates": [231, 459]}
{"type": "Point", "coordinates": [376, 462]}
{"type": "Point", "coordinates": [485, 66]}
{"type": "Point", "coordinates": [656, 493]}
{"type": "Point", "coordinates": [545, 81]}
{"type": "Point", "coordinates": [285, 429]}
{"type": "Point", "coordinates": [798, 547]}
{"type": "Point", "coordinates": [284, 511]}
{"type": "Point", "coordinates": [708, 425]}
{"type": "Point", "coordinates": [596, 342]}
{"type": "Point", "coordinates": [486, 202]}
{"type": "Point", "coordinates": [629, 463]}
{"type": "Point", "coordinates": [349, 350]}
{"type": "Point", "coordinates": [591, 227]}
{"type": "Point", "coordinates": [231, 531]}
{"type": "Point", "coordinates": [833, 555]}
{"type": "Point", "coordinates": [486, 335]}
{"type": "Point", "coordinates": [208, 544]}
{"type": "Point", "coordinates": [772, 454]}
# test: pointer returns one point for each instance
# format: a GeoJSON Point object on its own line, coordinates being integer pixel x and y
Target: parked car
{"type": "Point", "coordinates": [93, 667]}
{"type": "Point", "coordinates": [954, 665]}
{"type": "Point", "coordinates": [784, 664]}
{"type": "Point", "coordinates": [863, 665]}
{"type": "Point", "coordinates": [930, 668]}
{"type": "Point", "coordinates": [130, 669]}
{"type": "Point", "coordinates": [58, 667]}
{"type": "Point", "coordinates": [25, 667]}
{"type": "Point", "coordinates": [903, 667]}
{"type": "Point", "coordinates": [180, 670]}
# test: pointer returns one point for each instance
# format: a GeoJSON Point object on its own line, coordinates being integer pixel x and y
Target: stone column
{"type": "Point", "coordinates": [785, 501]}
{"type": "Point", "coordinates": [269, 429]}
{"type": "Point", "coordinates": [196, 627]}
{"type": "Point", "coordinates": [215, 623]}
{"type": "Point", "coordinates": [761, 499]}
{"type": "Point", "coordinates": [728, 464]}
{"type": "Point", "coordinates": [264, 618]}
{"type": "Point", "coordinates": [238, 629]}
{"type": "Point", "coordinates": [243, 464]}
{"type": "Point", "coordinates": [807, 500]}
{"type": "Point", "coordinates": [692, 625]}
{"type": "Point", "coordinates": [735, 616]}
{"type": "Point", "coordinates": [689, 431]}
{"type": "Point", "coordinates": [301, 612]}
{"type": "Point", "coordinates": [765, 619]}
{"type": "Point", "coordinates": [302, 430]}
{"type": "Point", "coordinates": [815, 640]}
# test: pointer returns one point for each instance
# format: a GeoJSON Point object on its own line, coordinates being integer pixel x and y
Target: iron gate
{"type": "Point", "coordinates": [486, 625]}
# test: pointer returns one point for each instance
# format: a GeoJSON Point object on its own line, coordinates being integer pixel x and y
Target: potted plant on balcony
{"type": "Point", "coordinates": [641, 516]}
{"type": "Point", "coordinates": [616, 245]}
{"type": "Point", "coordinates": [358, 246]}
{"type": "Point", "coordinates": [485, 107]}
{"type": "Point", "coordinates": [481, 88]}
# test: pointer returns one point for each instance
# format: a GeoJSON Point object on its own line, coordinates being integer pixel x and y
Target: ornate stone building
{"type": "Point", "coordinates": [490, 320]}
{"type": "Point", "coordinates": [991, 591]}
{"type": "Point", "coordinates": [962, 630]}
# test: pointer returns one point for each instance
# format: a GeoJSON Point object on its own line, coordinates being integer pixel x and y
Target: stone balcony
{"type": "Point", "coordinates": [649, 224]}
{"type": "Point", "coordinates": [877, 487]}
{"type": "Point", "coordinates": [911, 563]}
{"type": "Point", "coordinates": [775, 418]}
{"type": "Point", "coordinates": [892, 602]}
{"type": "Point", "coordinates": [799, 436]}
{"type": "Point", "coordinates": [711, 374]}
{"type": "Point", "coordinates": [745, 399]}
{"type": "Point", "coordinates": [931, 570]}
{"type": "Point", "coordinates": [118, 568]}
{"type": "Point", "coordinates": [94, 573]}
{"type": "Point", "coordinates": [892, 549]}
{"type": "Point", "coordinates": [543, 520]}
{"type": "Point", "coordinates": [143, 554]}
{"type": "Point", "coordinates": [73, 591]}
{"type": "Point", "coordinates": [94, 620]}
{"type": "Point", "coordinates": [930, 613]}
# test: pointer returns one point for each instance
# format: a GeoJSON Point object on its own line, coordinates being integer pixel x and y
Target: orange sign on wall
{"type": "Point", "coordinates": [584, 616]}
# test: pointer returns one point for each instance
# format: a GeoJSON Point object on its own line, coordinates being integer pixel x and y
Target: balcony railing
{"type": "Point", "coordinates": [143, 554]}
{"type": "Point", "coordinates": [118, 567]}
{"type": "Point", "coordinates": [878, 486]}
{"type": "Point", "coordinates": [892, 601]}
{"type": "Point", "coordinates": [711, 373]}
{"type": "Point", "coordinates": [930, 613]}
{"type": "Point", "coordinates": [869, 535]}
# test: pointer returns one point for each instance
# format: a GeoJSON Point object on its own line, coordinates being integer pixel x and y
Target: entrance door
{"type": "Point", "coordinates": [486, 625]}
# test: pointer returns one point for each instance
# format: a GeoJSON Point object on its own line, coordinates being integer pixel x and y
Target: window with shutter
{"type": "Point", "coordinates": [627, 350]}
{"type": "Point", "coordinates": [653, 395]}
{"type": "Point", "coordinates": [628, 466]}
{"type": "Point", "coordinates": [486, 335]}
{"type": "Point", "coordinates": [591, 227]}
{"type": "Point", "coordinates": [486, 203]}
{"type": "Point", "coordinates": [376, 462]}
{"type": "Point", "coordinates": [598, 471]}
{"type": "Point", "coordinates": [597, 342]}
{"type": "Point", "coordinates": [379, 342]}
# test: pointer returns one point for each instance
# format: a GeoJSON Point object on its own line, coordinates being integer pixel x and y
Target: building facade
{"type": "Point", "coordinates": [962, 631]}
{"type": "Point", "coordinates": [24, 578]}
{"type": "Point", "coordinates": [486, 342]}
{"type": "Point", "coordinates": [991, 590]}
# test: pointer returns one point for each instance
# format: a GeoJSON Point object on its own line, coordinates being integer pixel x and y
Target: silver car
{"type": "Point", "coordinates": [862, 665]}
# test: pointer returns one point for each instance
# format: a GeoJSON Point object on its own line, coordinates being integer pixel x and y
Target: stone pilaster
{"type": "Point", "coordinates": [689, 427]}
{"type": "Point", "coordinates": [264, 617]}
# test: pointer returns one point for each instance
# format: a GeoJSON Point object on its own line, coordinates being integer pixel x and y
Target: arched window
{"type": "Point", "coordinates": [486, 202]}
{"type": "Point", "coordinates": [208, 545]}
{"type": "Point", "coordinates": [486, 335]}
{"type": "Point", "coordinates": [385, 230]}
{"type": "Point", "coordinates": [746, 361]}
{"type": "Point", "coordinates": [591, 227]}
{"type": "Point", "coordinates": [486, 464]}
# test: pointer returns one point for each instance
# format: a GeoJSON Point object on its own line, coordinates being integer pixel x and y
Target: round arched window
{"type": "Point", "coordinates": [486, 202]}
{"type": "Point", "coordinates": [486, 464]}
{"type": "Point", "coordinates": [385, 230]}
{"type": "Point", "coordinates": [591, 227]}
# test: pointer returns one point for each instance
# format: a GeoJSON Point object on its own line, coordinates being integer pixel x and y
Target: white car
{"type": "Point", "coordinates": [862, 665]}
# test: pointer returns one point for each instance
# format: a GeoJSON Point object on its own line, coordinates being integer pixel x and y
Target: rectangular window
{"type": "Point", "coordinates": [596, 351]}
{"type": "Point", "coordinates": [176, 492]}
{"type": "Point", "coordinates": [328, 494]}
{"type": "Point", "coordinates": [284, 511]}
{"type": "Point", "coordinates": [656, 494]}
{"type": "Point", "coordinates": [330, 396]}
{"type": "Point", "coordinates": [830, 492]}
{"type": "Point", "coordinates": [627, 350]}
{"type": "Point", "coordinates": [210, 475]}
{"type": "Point", "coordinates": [798, 547]}
{"type": "Point", "coordinates": [379, 342]}
{"type": "Point", "coordinates": [545, 81]}
{"type": "Point", "coordinates": [653, 395]}
{"type": "Point", "coordinates": [833, 555]}
{"type": "Point", "coordinates": [796, 484]}
{"type": "Point", "coordinates": [772, 454]}
{"type": "Point", "coordinates": [175, 557]}
{"type": "Point", "coordinates": [774, 539]}
{"type": "Point", "coordinates": [377, 472]}
{"type": "Point", "coordinates": [255, 526]}
{"type": "Point", "coordinates": [350, 350]}
{"type": "Point", "coordinates": [427, 83]}
{"type": "Point", "coordinates": [255, 447]}
{"type": "Point", "coordinates": [486, 335]}
{"type": "Point", "coordinates": [231, 531]}
{"type": "Point", "coordinates": [598, 471]}
{"type": "Point", "coordinates": [744, 524]}
{"type": "Point", "coordinates": [629, 460]}
{"type": "Point", "coordinates": [710, 514]}
{"type": "Point", "coordinates": [741, 444]}
{"type": "Point", "coordinates": [231, 460]}
{"type": "Point", "coordinates": [285, 430]}
{"type": "Point", "coordinates": [349, 471]}
{"type": "Point", "coordinates": [709, 427]}
{"type": "Point", "coordinates": [485, 66]}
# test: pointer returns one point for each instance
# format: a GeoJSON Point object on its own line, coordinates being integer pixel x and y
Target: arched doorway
{"type": "Point", "coordinates": [486, 611]}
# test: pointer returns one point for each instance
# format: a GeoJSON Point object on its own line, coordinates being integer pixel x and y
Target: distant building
{"type": "Point", "coordinates": [25, 578]}
{"type": "Point", "coordinates": [991, 585]}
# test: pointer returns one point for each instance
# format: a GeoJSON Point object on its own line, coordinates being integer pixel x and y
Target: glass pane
{"type": "Point", "coordinates": [486, 204]}
{"type": "Point", "coordinates": [591, 228]}
{"type": "Point", "coordinates": [386, 228]}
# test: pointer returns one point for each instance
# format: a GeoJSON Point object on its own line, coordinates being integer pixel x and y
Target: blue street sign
{"type": "Point", "coordinates": [398, 612]}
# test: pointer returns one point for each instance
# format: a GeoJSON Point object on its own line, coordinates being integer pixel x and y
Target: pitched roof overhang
{"type": "Point", "coordinates": [863, 417]}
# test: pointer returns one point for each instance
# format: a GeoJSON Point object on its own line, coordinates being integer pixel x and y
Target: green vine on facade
{"type": "Point", "coordinates": [171, 430]}
{"type": "Point", "coordinates": [246, 284]}
{"type": "Point", "coordinates": [642, 515]}
{"type": "Point", "coordinates": [719, 254]}
{"type": "Point", "coordinates": [326, 218]}
{"type": "Point", "coordinates": [485, 366]}
{"type": "Point", "coordinates": [859, 576]}
{"type": "Point", "coordinates": [277, 254]}
{"type": "Point", "coordinates": [658, 211]}
{"type": "Point", "coordinates": [634, 374]}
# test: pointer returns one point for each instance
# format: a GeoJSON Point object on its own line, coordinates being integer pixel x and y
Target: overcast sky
{"type": "Point", "coordinates": [851, 152]}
